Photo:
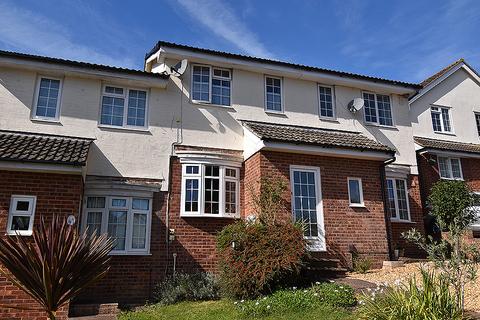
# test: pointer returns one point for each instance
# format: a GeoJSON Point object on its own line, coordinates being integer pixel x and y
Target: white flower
{"type": "Point", "coordinates": [336, 290]}
{"type": "Point", "coordinates": [317, 282]}
{"type": "Point", "coordinates": [373, 298]}
{"type": "Point", "coordinates": [331, 281]}
{"type": "Point", "coordinates": [397, 282]}
{"type": "Point", "coordinates": [242, 301]}
{"type": "Point", "coordinates": [268, 307]}
{"type": "Point", "coordinates": [315, 294]}
{"type": "Point", "coordinates": [361, 302]}
{"type": "Point", "coordinates": [368, 289]}
{"type": "Point", "coordinates": [264, 298]}
{"type": "Point", "coordinates": [256, 303]}
{"type": "Point", "coordinates": [304, 291]}
{"type": "Point", "coordinates": [236, 302]}
{"type": "Point", "coordinates": [341, 287]}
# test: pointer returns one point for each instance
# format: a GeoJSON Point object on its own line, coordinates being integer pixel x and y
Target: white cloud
{"type": "Point", "coordinates": [222, 21]}
{"type": "Point", "coordinates": [26, 31]}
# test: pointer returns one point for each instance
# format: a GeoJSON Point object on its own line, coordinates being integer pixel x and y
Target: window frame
{"type": "Point", "coordinates": [200, 176]}
{"type": "Point", "coordinates": [282, 87]}
{"type": "Point", "coordinates": [129, 224]}
{"type": "Point", "coordinates": [334, 107]}
{"type": "Point", "coordinates": [377, 123]}
{"type": "Point", "coordinates": [13, 212]}
{"type": "Point", "coordinates": [360, 189]}
{"type": "Point", "coordinates": [210, 85]}
{"type": "Point", "coordinates": [125, 96]}
{"type": "Point", "coordinates": [36, 96]}
{"type": "Point", "coordinates": [397, 217]}
{"type": "Point", "coordinates": [449, 167]}
{"type": "Point", "coordinates": [477, 121]}
{"type": "Point", "coordinates": [442, 131]}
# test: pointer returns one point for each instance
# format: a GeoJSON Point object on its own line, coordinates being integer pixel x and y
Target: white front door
{"type": "Point", "coordinates": [307, 204]}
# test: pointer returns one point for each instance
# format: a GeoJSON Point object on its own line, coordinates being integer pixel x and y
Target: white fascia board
{"type": "Point", "coordinates": [329, 152]}
{"type": "Point", "coordinates": [290, 72]}
{"type": "Point", "coordinates": [433, 84]}
{"type": "Point", "coordinates": [209, 157]}
{"type": "Point", "coordinates": [40, 167]}
{"type": "Point", "coordinates": [452, 154]}
{"type": "Point", "coordinates": [251, 143]}
{"type": "Point", "coordinates": [60, 70]}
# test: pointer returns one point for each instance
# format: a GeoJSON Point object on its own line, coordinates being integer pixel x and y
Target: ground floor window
{"type": "Point", "coordinates": [398, 206]}
{"type": "Point", "coordinates": [21, 214]}
{"type": "Point", "coordinates": [210, 190]}
{"type": "Point", "coordinates": [450, 168]}
{"type": "Point", "coordinates": [126, 219]}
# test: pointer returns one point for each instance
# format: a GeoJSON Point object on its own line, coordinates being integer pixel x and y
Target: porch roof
{"type": "Point", "coordinates": [446, 145]}
{"type": "Point", "coordinates": [44, 148]}
{"type": "Point", "coordinates": [325, 138]}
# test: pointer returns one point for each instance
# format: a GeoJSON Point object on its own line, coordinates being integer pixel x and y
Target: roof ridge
{"type": "Point", "coordinates": [299, 126]}
{"type": "Point", "coordinates": [44, 135]}
{"type": "Point", "coordinates": [278, 62]}
{"type": "Point", "coordinates": [440, 73]}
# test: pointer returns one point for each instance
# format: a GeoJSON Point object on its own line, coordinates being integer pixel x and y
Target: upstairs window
{"type": "Point", "coordinates": [211, 85]}
{"type": "Point", "coordinates": [450, 168]}
{"type": "Point", "coordinates": [210, 190]}
{"type": "Point", "coordinates": [115, 112]}
{"type": "Point", "coordinates": [47, 102]}
{"type": "Point", "coordinates": [126, 219]}
{"type": "Point", "coordinates": [477, 120]}
{"type": "Point", "coordinates": [441, 119]}
{"type": "Point", "coordinates": [398, 199]}
{"type": "Point", "coordinates": [273, 94]}
{"type": "Point", "coordinates": [378, 109]}
{"type": "Point", "coordinates": [21, 215]}
{"type": "Point", "coordinates": [326, 98]}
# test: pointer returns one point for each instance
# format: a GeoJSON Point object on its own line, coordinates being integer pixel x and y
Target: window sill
{"type": "Point", "coordinates": [208, 104]}
{"type": "Point", "coordinates": [203, 215]}
{"type": "Point", "coordinates": [107, 127]}
{"type": "Point", "coordinates": [275, 113]}
{"type": "Point", "coordinates": [52, 121]}
{"type": "Point", "coordinates": [20, 233]}
{"type": "Point", "coordinates": [129, 253]}
{"type": "Point", "coordinates": [445, 133]}
{"type": "Point", "coordinates": [382, 126]}
{"type": "Point", "coordinates": [402, 221]}
{"type": "Point", "coordinates": [329, 119]}
{"type": "Point", "coordinates": [452, 179]}
{"type": "Point", "coordinates": [360, 205]}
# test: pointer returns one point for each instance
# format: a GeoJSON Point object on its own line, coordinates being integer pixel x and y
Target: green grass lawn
{"type": "Point", "coordinates": [225, 310]}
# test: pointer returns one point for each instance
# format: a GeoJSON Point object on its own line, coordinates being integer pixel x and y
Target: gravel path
{"type": "Point", "coordinates": [472, 290]}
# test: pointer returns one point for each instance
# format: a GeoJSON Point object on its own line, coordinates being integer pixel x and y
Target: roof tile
{"type": "Point", "coordinates": [31, 147]}
{"type": "Point", "coordinates": [447, 145]}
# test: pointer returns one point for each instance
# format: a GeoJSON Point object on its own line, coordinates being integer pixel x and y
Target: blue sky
{"type": "Point", "coordinates": [402, 40]}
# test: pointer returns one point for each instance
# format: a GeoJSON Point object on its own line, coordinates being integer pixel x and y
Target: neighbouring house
{"type": "Point", "coordinates": [162, 161]}
{"type": "Point", "coordinates": [445, 116]}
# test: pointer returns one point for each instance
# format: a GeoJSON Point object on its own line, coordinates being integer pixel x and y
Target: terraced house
{"type": "Point", "coordinates": [163, 159]}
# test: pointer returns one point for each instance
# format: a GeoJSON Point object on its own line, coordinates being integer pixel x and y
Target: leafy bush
{"type": "Point", "coordinates": [255, 258]}
{"type": "Point", "coordinates": [186, 287]}
{"type": "Point", "coordinates": [431, 300]}
{"type": "Point", "coordinates": [362, 265]}
{"type": "Point", "coordinates": [292, 300]}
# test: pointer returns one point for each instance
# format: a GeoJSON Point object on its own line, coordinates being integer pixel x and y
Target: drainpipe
{"type": "Point", "coordinates": [388, 225]}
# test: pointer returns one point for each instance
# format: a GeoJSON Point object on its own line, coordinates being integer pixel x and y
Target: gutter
{"type": "Point", "coordinates": [388, 224]}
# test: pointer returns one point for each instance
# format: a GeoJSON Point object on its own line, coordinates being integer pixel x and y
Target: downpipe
{"type": "Point", "coordinates": [388, 225]}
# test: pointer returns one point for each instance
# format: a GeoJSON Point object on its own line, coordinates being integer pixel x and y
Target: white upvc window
{"type": "Point", "coordinates": [441, 119]}
{"type": "Point", "coordinates": [124, 107]}
{"type": "Point", "coordinates": [355, 192]}
{"type": "Point", "coordinates": [21, 215]}
{"type": "Point", "coordinates": [210, 190]}
{"type": "Point", "coordinates": [273, 94]}
{"type": "Point", "coordinates": [477, 121]}
{"type": "Point", "coordinates": [126, 219]}
{"type": "Point", "coordinates": [211, 85]}
{"type": "Point", "coordinates": [476, 207]}
{"type": "Point", "coordinates": [450, 168]}
{"type": "Point", "coordinates": [378, 109]}
{"type": "Point", "coordinates": [398, 205]}
{"type": "Point", "coordinates": [326, 97]}
{"type": "Point", "coordinates": [47, 99]}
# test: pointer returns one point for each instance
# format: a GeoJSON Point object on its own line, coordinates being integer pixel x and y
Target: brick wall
{"type": "Point", "coordinates": [56, 194]}
{"type": "Point", "coordinates": [363, 227]}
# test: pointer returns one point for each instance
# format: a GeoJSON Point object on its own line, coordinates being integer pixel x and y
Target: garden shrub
{"type": "Point", "coordinates": [294, 300]}
{"type": "Point", "coordinates": [430, 300]}
{"type": "Point", "coordinates": [362, 265]}
{"type": "Point", "coordinates": [186, 287]}
{"type": "Point", "coordinates": [254, 258]}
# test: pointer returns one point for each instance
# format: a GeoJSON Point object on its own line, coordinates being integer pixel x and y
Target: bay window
{"type": "Point", "coordinates": [210, 190]}
{"type": "Point", "coordinates": [397, 199]}
{"type": "Point", "coordinates": [126, 219]}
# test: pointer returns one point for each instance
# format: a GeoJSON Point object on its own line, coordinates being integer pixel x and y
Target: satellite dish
{"type": "Point", "coordinates": [178, 69]}
{"type": "Point", "coordinates": [356, 104]}
{"type": "Point", "coordinates": [71, 220]}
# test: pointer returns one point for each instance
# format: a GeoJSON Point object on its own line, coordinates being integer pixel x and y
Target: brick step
{"type": "Point", "coordinates": [100, 311]}
{"type": "Point", "coordinates": [323, 262]}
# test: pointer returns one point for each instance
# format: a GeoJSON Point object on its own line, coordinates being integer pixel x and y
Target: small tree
{"type": "Point", "coordinates": [452, 204]}
{"type": "Point", "coordinates": [268, 201]}
{"type": "Point", "coordinates": [57, 265]}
